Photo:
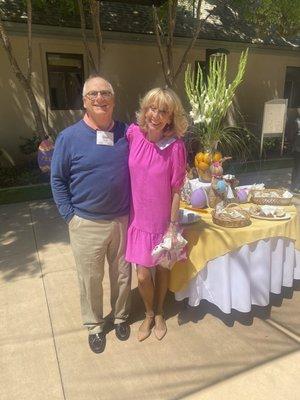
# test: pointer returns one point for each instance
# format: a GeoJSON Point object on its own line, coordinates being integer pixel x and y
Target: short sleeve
{"type": "Point", "coordinates": [129, 133]}
{"type": "Point", "coordinates": [178, 164]}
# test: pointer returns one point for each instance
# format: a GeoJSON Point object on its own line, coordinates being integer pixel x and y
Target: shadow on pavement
{"type": "Point", "coordinates": [195, 314]}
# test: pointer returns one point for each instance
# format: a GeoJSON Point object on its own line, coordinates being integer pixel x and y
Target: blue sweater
{"type": "Point", "coordinates": [88, 179]}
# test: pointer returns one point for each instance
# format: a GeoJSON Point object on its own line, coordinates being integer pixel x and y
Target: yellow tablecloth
{"type": "Point", "coordinates": [207, 241]}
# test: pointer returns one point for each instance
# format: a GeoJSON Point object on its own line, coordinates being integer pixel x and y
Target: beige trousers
{"type": "Point", "coordinates": [91, 241]}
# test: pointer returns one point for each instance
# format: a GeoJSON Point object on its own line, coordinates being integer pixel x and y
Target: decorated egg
{"type": "Point", "coordinates": [198, 198]}
{"type": "Point", "coordinates": [221, 186]}
{"type": "Point", "coordinates": [242, 195]}
{"type": "Point", "coordinates": [44, 157]}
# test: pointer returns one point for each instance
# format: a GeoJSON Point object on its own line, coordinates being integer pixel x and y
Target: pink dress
{"type": "Point", "coordinates": [153, 174]}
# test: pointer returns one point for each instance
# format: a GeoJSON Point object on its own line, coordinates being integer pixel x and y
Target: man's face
{"type": "Point", "coordinates": [98, 100]}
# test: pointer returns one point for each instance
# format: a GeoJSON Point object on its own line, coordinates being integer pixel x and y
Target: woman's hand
{"type": "Point", "coordinates": [173, 231]}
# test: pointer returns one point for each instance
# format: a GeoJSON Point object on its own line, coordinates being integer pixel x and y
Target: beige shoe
{"type": "Point", "coordinates": [160, 328]}
{"type": "Point", "coordinates": [145, 327]}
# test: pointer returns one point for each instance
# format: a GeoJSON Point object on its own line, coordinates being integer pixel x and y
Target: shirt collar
{"type": "Point", "coordinates": [92, 124]}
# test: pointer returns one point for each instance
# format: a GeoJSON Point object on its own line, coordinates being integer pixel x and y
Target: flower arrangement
{"type": "Point", "coordinates": [210, 98]}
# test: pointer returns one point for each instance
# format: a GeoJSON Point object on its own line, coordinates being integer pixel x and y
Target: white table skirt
{"type": "Point", "coordinates": [245, 277]}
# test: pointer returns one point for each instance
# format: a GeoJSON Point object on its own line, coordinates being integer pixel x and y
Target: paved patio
{"type": "Point", "coordinates": [44, 352]}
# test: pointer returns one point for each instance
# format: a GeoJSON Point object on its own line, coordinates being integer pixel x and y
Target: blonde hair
{"type": "Point", "coordinates": [166, 99]}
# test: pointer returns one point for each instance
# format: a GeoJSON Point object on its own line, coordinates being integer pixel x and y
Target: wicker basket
{"type": "Point", "coordinates": [229, 222]}
{"type": "Point", "coordinates": [270, 201]}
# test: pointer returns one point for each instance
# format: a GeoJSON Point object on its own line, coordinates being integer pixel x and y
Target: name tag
{"type": "Point", "coordinates": [105, 138]}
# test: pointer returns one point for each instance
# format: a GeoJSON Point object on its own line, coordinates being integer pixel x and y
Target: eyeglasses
{"type": "Point", "coordinates": [93, 94]}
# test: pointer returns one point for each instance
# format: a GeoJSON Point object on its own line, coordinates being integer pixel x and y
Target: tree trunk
{"type": "Point", "coordinates": [39, 127]}
{"type": "Point", "coordinates": [95, 15]}
{"type": "Point", "coordinates": [170, 72]}
{"type": "Point", "coordinates": [88, 52]}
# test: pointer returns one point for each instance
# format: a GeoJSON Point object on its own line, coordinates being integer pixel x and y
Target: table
{"type": "Point", "coordinates": [235, 268]}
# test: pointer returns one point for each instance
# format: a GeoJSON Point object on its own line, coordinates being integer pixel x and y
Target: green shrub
{"type": "Point", "coordinates": [20, 176]}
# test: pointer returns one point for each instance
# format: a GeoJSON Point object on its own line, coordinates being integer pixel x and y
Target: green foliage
{"type": "Point", "coordinates": [20, 176]}
{"type": "Point", "coordinates": [5, 158]}
{"type": "Point", "coordinates": [240, 144]}
{"type": "Point", "coordinates": [30, 145]}
{"type": "Point", "coordinates": [210, 100]}
{"type": "Point", "coordinates": [271, 16]}
{"type": "Point", "coordinates": [65, 11]}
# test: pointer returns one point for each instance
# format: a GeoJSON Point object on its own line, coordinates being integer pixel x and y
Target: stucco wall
{"type": "Point", "coordinates": [133, 68]}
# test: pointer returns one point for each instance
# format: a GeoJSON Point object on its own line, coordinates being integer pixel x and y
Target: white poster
{"type": "Point", "coordinates": [274, 117]}
{"type": "Point", "coordinates": [274, 120]}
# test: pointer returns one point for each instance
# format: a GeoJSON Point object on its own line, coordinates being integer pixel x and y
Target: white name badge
{"type": "Point", "coordinates": [105, 138]}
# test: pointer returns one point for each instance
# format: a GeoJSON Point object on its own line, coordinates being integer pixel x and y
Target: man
{"type": "Point", "coordinates": [90, 185]}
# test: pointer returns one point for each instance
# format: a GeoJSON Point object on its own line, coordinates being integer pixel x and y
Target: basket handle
{"type": "Point", "coordinates": [230, 205]}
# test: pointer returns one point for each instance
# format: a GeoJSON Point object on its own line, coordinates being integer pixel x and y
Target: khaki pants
{"type": "Point", "coordinates": [91, 241]}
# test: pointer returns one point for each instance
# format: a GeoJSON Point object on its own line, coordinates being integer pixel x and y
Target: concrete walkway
{"type": "Point", "coordinates": [44, 353]}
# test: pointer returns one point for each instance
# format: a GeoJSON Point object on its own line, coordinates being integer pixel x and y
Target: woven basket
{"type": "Point", "coordinates": [232, 223]}
{"type": "Point", "coordinates": [270, 201]}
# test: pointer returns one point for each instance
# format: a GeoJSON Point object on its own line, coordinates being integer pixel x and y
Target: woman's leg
{"type": "Point", "coordinates": [146, 289]}
{"type": "Point", "coordinates": [161, 286]}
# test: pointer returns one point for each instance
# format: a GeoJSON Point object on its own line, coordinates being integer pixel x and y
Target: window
{"type": "Point", "coordinates": [292, 86]}
{"type": "Point", "coordinates": [65, 78]}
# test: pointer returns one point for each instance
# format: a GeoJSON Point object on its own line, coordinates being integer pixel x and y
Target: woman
{"type": "Point", "coordinates": [157, 162]}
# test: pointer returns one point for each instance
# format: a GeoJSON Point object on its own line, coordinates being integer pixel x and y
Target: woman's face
{"type": "Point", "coordinates": [157, 119]}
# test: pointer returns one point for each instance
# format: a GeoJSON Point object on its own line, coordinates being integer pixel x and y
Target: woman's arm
{"type": "Point", "coordinates": [174, 217]}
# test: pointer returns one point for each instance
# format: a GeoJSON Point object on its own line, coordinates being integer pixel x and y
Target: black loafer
{"type": "Point", "coordinates": [122, 331]}
{"type": "Point", "coordinates": [97, 342]}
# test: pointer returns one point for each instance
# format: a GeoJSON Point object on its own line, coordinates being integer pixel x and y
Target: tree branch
{"type": "Point", "coordinates": [29, 41]}
{"type": "Point", "coordinates": [85, 42]}
{"type": "Point", "coordinates": [157, 29]}
{"type": "Point", "coordinates": [24, 81]}
{"type": "Point", "coordinates": [95, 13]}
{"type": "Point", "coordinates": [192, 42]}
{"type": "Point", "coordinates": [7, 47]}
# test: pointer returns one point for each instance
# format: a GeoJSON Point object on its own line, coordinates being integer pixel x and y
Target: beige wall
{"type": "Point", "coordinates": [133, 68]}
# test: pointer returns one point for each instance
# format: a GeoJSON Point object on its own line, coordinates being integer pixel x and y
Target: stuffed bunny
{"type": "Point", "coordinates": [219, 187]}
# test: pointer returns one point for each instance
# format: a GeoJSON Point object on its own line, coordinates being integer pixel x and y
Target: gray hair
{"type": "Point", "coordinates": [96, 76]}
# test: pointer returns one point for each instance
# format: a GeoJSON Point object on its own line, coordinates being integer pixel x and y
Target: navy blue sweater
{"type": "Point", "coordinates": [88, 179]}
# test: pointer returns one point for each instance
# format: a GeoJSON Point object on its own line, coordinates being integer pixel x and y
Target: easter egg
{"type": "Point", "coordinates": [221, 186]}
{"type": "Point", "coordinates": [242, 195]}
{"type": "Point", "coordinates": [44, 157]}
{"type": "Point", "coordinates": [198, 198]}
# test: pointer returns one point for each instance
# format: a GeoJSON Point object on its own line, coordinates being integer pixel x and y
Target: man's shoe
{"type": "Point", "coordinates": [97, 342]}
{"type": "Point", "coordinates": [122, 331]}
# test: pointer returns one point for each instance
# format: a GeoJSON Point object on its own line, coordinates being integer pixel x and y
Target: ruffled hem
{"type": "Point", "coordinates": [140, 245]}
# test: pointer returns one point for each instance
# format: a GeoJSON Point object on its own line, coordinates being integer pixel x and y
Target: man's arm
{"type": "Point", "coordinates": [60, 177]}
